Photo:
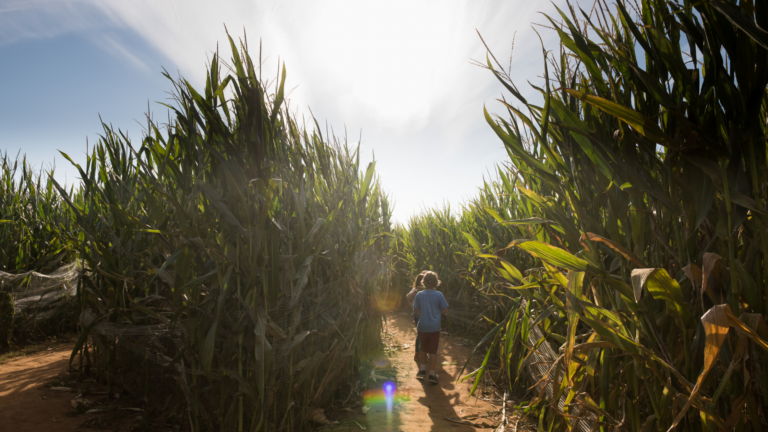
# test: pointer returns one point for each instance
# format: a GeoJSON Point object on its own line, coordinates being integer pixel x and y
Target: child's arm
{"type": "Point", "coordinates": [443, 305]}
{"type": "Point", "coordinates": [411, 294]}
{"type": "Point", "coordinates": [445, 311]}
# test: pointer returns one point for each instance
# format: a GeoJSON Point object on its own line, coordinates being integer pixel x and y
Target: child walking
{"type": "Point", "coordinates": [417, 286]}
{"type": "Point", "coordinates": [429, 304]}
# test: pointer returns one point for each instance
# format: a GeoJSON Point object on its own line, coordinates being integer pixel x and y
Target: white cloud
{"type": "Point", "coordinates": [399, 70]}
{"type": "Point", "coordinates": [117, 48]}
{"type": "Point", "coordinates": [39, 19]}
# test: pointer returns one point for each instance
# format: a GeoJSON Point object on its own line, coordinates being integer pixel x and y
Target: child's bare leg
{"type": "Point", "coordinates": [432, 362]}
{"type": "Point", "coordinates": [423, 357]}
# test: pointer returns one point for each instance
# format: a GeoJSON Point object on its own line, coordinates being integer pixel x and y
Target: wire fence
{"type": "Point", "coordinates": [36, 305]}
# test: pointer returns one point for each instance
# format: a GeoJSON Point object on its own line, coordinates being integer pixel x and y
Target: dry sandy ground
{"type": "Point", "coordinates": [27, 404]}
{"type": "Point", "coordinates": [36, 394]}
{"type": "Point", "coordinates": [427, 406]}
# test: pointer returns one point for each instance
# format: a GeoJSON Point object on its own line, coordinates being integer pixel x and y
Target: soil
{"type": "Point", "coordinates": [27, 404]}
{"type": "Point", "coordinates": [420, 406]}
{"type": "Point", "coordinates": [36, 394]}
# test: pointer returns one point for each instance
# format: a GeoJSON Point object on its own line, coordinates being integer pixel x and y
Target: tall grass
{"type": "Point", "coordinates": [233, 207]}
{"type": "Point", "coordinates": [456, 245]}
{"type": "Point", "coordinates": [33, 219]}
{"type": "Point", "coordinates": [34, 227]}
{"type": "Point", "coordinates": [639, 189]}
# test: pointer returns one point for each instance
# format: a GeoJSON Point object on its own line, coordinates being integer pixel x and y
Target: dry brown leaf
{"type": "Point", "coordinates": [756, 322]}
{"type": "Point", "coordinates": [735, 415]}
{"type": "Point", "coordinates": [743, 329]}
{"type": "Point", "coordinates": [693, 273]}
{"type": "Point", "coordinates": [712, 275]}
{"type": "Point", "coordinates": [715, 322]}
{"type": "Point", "coordinates": [615, 246]}
{"type": "Point", "coordinates": [639, 276]}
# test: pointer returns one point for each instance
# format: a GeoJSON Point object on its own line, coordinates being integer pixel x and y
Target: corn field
{"type": "Point", "coordinates": [234, 246]}
{"type": "Point", "coordinates": [637, 195]}
{"type": "Point", "coordinates": [34, 220]}
{"type": "Point", "coordinates": [35, 224]}
{"type": "Point", "coordinates": [620, 254]}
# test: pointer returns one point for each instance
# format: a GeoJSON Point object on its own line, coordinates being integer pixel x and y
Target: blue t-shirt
{"type": "Point", "coordinates": [429, 303]}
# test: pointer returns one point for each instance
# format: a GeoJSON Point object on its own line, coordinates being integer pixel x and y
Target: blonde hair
{"type": "Point", "coordinates": [431, 280]}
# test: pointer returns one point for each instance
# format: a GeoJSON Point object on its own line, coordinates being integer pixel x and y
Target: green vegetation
{"type": "Point", "coordinates": [34, 220]}
{"type": "Point", "coordinates": [206, 227]}
{"type": "Point", "coordinates": [639, 189]}
{"type": "Point", "coordinates": [629, 229]}
{"type": "Point", "coordinates": [35, 225]}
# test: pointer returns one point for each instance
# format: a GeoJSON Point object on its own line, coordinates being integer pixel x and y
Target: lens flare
{"type": "Point", "coordinates": [387, 393]}
{"type": "Point", "coordinates": [386, 397]}
{"type": "Point", "coordinates": [386, 302]}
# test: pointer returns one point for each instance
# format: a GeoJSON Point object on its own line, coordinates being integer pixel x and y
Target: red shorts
{"type": "Point", "coordinates": [429, 342]}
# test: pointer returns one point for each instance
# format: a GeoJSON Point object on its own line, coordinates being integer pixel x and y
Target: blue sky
{"type": "Point", "coordinates": [399, 74]}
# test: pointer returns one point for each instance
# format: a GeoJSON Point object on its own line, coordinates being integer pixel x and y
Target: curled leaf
{"type": "Point", "coordinates": [663, 287]}
{"type": "Point", "coordinates": [615, 246]}
{"type": "Point", "coordinates": [693, 273]}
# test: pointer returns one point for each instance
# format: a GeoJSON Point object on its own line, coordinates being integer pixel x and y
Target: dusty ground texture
{"type": "Point", "coordinates": [420, 406]}
{"type": "Point", "coordinates": [36, 394]}
{"type": "Point", "coordinates": [27, 404]}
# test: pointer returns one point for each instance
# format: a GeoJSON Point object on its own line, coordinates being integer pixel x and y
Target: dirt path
{"type": "Point", "coordinates": [27, 404]}
{"type": "Point", "coordinates": [37, 393]}
{"type": "Point", "coordinates": [418, 406]}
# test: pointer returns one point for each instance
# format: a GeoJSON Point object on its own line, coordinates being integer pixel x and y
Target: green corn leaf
{"type": "Point", "coordinates": [612, 335]}
{"type": "Point", "coordinates": [494, 214]}
{"type": "Point", "coordinates": [744, 23]}
{"type": "Point", "coordinates": [472, 241]}
{"type": "Point", "coordinates": [551, 254]}
{"type": "Point", "coordinates": [366, 184]}
{"type": "Point", "coordinates": [645, 126]}
{"type": "Point", "coordinates": [528, 221]}
{"type": "Point", "coordinates": [663, 287]}
{"type": "Point", "coordinates": [208, 347]}
{"type": "Point", "coordinates": [512, 270]}
{"type": "Point", "coordinates": [514, 144]}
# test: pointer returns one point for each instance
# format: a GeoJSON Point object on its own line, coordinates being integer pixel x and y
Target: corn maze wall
{"type": "Point", "coordinates": [232, 258]}
{"type": "Point", "coordinates": [308, 346]}
{"type": "Point", "coordinates": [630, 217]}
